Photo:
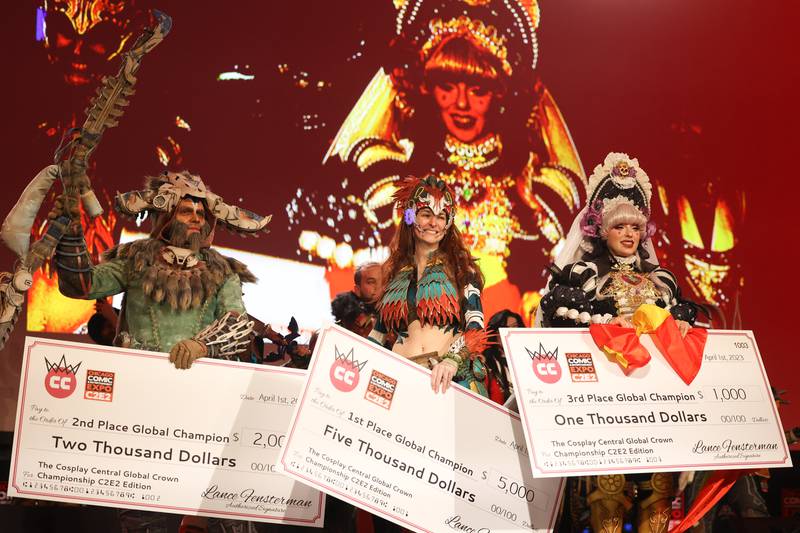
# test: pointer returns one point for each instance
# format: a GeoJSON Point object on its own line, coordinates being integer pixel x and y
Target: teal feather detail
{"type": "Point", "coordinates": [393, 306]}
{"type": "Point", "coordinates": [437, 298]}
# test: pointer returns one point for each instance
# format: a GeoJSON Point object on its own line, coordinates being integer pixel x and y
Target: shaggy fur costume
{"type": "Point", "coordinates": [180, 288]}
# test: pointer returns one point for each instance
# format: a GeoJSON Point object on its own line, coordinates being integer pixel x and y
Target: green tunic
{"type": "Point", "coordinates": [156, 326]}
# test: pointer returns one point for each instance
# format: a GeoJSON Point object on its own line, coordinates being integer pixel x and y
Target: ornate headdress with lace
{"type": "Point", "coordinates": [618, 181]}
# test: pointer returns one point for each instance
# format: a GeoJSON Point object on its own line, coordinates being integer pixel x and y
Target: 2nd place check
{"type": "Point", "coordinates": [369, 430]}
{"type": "Point", "coordinates": [124, 428]}
{"type": "Point", "coordinates": [583, 415]}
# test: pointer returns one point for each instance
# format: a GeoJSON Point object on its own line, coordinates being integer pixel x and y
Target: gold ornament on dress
{"type": "Point", "coordinates": [629, 288]}
{"type": "Point", "coordinates": [658, 520]}
{"type": "Point", "coordinates": [468, 156]}
{"type": "Point", "coordinates": [611, 525]}
{"type": "Point", "coordinates": [611, 484]}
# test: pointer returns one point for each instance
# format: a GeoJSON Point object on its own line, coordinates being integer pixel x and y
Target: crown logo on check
{"type": "Point", "coordinates": [62, 366]}
{"type": "Point", "coordinates": [348, 357]}
{"type": "Point", "coordinates": [542, 353]}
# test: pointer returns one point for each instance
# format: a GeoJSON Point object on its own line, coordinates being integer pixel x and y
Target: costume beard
{"type": "Point", "coordinates": [179, 236]}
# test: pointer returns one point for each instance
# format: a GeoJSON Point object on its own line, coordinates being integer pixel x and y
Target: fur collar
{"type": "Point", "coordinates": [180, 288]}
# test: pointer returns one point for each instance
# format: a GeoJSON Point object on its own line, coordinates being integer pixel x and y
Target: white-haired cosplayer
{"type": "Point", "coordinates": [605, 272]}
{"type": "Point", "coordinates": [608, 266]}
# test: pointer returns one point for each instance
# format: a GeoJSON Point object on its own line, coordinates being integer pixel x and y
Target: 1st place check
{"type": "Point", "coordinates": [124, 428]}
{"type": "Point", "coordinates": [583, 416]}
{"type": "Point", "coordinates": [369, 430]}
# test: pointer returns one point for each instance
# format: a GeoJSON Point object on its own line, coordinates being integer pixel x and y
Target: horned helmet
{"type": "Point", "coordinates": [163, 193]}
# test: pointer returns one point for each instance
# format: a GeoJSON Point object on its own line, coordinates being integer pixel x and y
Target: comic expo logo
{"type": "Point", "coordinates": [345, 370]}
{"type": "Point", "coordinates": [60, 380]}
{"type": "Point", "coordinates": [380, 389]}
{"type": "Point", "coordinates": [545, 364]}
{"type": "Point", "coordinates": [99, 385]}
{"type": "Point", "coordinates": [581, 367]}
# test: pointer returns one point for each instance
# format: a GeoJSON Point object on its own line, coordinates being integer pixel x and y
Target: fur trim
{"type": "Point", "coordinates": [241, 270]}
{"type": "Point", "coordinates": [179, 288]}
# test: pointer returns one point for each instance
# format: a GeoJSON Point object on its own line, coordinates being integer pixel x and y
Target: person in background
{"type": "Point", "coordinates": [352, 314]}
{"type": "Point", "coordinates": [498, 380]}
{"type": "Point", "coordinates": [367, 283]}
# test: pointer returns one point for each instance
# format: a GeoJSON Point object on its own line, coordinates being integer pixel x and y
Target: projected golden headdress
{"type": "Point", "coordinates": [85, 14]}
{"type": "Point", "coordinates": [488, 24]}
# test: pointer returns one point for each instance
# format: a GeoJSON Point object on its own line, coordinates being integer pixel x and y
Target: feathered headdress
{"type": "Point", "coordinates": [414, 193]}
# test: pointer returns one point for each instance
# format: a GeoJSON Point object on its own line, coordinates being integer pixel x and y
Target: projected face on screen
{"type": "Point", "coordinates": [462, 77]}
{"type": "Point", "coordinates": [82, 35]}
{"type": "Point", "coordinates": [466, 100]}
{"type": "Point", "coordinates": [463, 106]}
{"type": "Point", "coordinates": [79, 57]}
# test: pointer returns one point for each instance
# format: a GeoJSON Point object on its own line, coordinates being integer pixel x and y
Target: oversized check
{"type": "Point", "coordinates": [582, 415]}
{"type": "Point", "coordinates": [124, 428]}
{"type": "Point", "coordinates": [369, 430]}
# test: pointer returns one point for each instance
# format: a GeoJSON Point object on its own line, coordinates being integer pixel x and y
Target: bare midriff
{"type": "Point", "coordinates": [423, 339]}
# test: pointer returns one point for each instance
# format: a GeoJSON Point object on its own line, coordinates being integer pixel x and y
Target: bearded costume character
{"type": "Point", "coordinates": [181, 295]}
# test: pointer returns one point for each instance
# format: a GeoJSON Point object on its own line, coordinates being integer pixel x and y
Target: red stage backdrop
{"type": "Point", "coordinates": [312, 110]}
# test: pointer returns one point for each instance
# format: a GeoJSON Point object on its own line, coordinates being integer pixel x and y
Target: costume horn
{"type": "Point", "coordinates": [134, 202]}
{"type": "Point", "coordinates": [236, 218]}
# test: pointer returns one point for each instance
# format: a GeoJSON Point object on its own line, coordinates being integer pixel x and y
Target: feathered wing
{"type": "Point", "coordinates": [367, 135]}
{"type": "Point", "coordinates": [437, 298]}
{"type": "Point", "coordinates": [555, 133]}
{"type": "Point", "coordinates": [394, 304]}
